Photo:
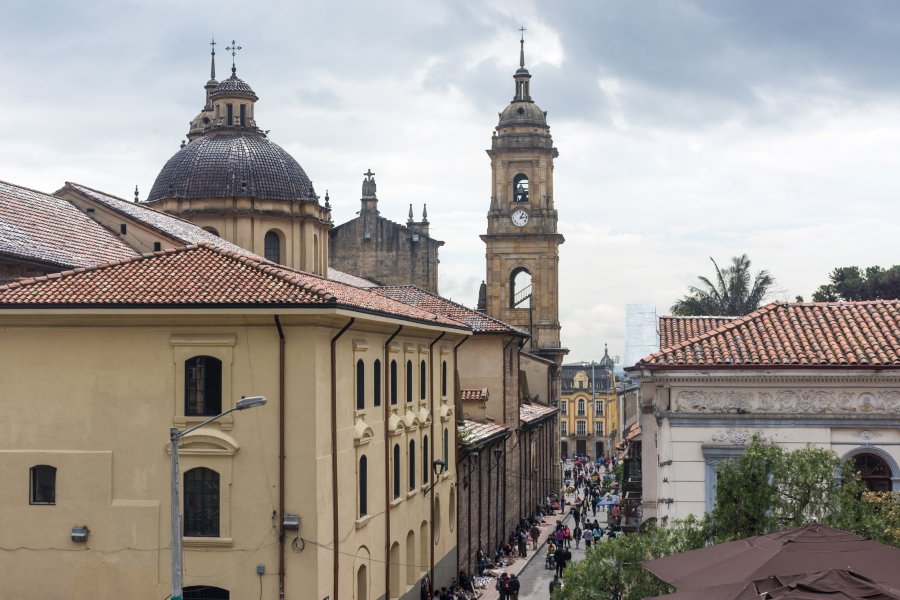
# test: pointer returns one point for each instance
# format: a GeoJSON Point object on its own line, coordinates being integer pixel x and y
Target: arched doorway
{"type": "Point", "coordinates": [874, 471]}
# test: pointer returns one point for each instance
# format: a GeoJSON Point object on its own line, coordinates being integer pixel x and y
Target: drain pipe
{"type": "Point", "coordinates": [334, 461]}
{"type": "Point", "coordinates": [385, 402]}
{"type": "Point", "coordinates": [281, 453]}
{"type": "Point", "coordinates": [431, 451]}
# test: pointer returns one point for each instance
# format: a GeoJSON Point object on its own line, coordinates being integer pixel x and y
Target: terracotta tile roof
{"type": "Point", "coordinates": [530, 413]}
{"type": "Point", "coordinates": [481, 432]}
{"type": "Point", "coordinates": [674, 330]}
{"type": "Point", "coordinates": [39, 227]}
{"type": "Point", "coordinates": [349, 279]}
{"type": "Point", "coordinates": [481, 394]}
{"type": "Point", "coordinates": [478, 322]}
{"type": "Point", "coordinates": [183, 231]}
{"type": "Point", "coordinates": [817, 334]}
{"type": "Point", "coordinates": [203, 275]}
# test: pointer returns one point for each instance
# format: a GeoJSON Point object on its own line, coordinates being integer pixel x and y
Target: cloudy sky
{"type": "Point", "coordinates": [686, 129]}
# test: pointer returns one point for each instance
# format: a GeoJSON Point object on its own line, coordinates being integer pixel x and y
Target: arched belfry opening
{"type": "Point", "coordinates": [520, 288]}
{"type": "Point", "coordinates": [520, 188]}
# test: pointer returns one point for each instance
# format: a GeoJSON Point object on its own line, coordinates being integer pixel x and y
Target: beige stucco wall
{"type": "Point", "coordinates": [95, 396]}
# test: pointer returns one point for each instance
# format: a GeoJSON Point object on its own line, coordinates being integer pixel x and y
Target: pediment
{"type": "Point", "coordinates": [206, 441]}
{"type": "Point", "coordinates": [362, 433]}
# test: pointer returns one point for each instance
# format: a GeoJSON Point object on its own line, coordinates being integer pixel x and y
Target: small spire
{"type": "Point", "coordinates": [327, 200]}
{"type": "Point", "coordinates": [136, 193]}
{"type": "Point", "coordinates": [410, 220]}
{"type": "Point", "coordinates": [212, 62]}
{"type": "Point", "coordinates": [233, 48]}
{"type": "Point", "coordinates": [424, 213]}
{"type": "Point", "coordinates": [522, 48]}
{"type": "Point", "coordinates": [183, 143]}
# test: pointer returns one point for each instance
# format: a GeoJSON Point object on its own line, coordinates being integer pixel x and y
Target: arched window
{"type": "Point", "coordinates": [394, 568]}
{"type": "Point", "coordinates": [272, 246]}
{"type": "Point", "coordinates": [360, 385]}
{"type": "Point", "coordinates": [201, 503]}
{"type": "Point", "coordinates": [426, 468]}
{"type": "Point", "coordinates": [411, 570]}
{"type": "Point", "coordinates": [875, 472]}
{"type": "Point", "coordinates": [423, 380]}
{"type": "Point", "coordinates": [376, 382]}
{"type": "Point", "coordinates": [409, 382]}
{"type": "Point", "coordinates": [444, 378]}
{"type": "Point", "coordinates": [202, 386]}
{"type": "Point", "coordinates": [363, 486]}
{"type": "Point", "coordinates": [423, 543]}
{"type": "Point", "coordinates": [362, 583]}
{"type": "Point", "coordinates": [396, 471]}
{"type": "Point", "coordinates": [581, 407]}
{"type": "Point", "coordinates": [437, 519]}
{"type": "Point", "coordinates": [204, 592]}
{"type": "Point", "coordinates": [520, 188]}
{"type": "Point", "coordinates": [43, 484]}
{"type": "Point", "coordinates": [412, 465]}
{"type": "Point", "coordinates": [393, 382]}
{"type": "Point", "coordinates": [447, 449]}
{"type": "Point", "coordinates": [520, 288]}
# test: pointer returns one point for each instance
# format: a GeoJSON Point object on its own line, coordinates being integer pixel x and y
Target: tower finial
{"type": "Point", "coordinates": [233, 48]}
{"type": "Point", "coordinates": [410, 220]}
{"type": "Point", "coordinates": [212, 62]}
{"type": "Point", "coordinates": [136, 194]}
{"type": "Point", "coordinates": [522, 48]}
{"type": "Point", "coordinates": [424, 213]}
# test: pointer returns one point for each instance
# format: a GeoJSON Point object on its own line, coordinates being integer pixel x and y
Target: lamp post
{"type": "Point", "coordinates": [174, 438]}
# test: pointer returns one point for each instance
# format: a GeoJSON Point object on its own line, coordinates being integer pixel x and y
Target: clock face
{"type": "Point", "coordinates": [519, 218]}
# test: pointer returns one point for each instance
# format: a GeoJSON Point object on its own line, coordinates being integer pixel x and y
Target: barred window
{"type": "Point", "coordinates": [202, 386]}
{"type": "Point", "coordinates": [201, 503]}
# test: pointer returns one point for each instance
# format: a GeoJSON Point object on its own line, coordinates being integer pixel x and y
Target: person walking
{"type": "Point", "coordinates": [535, 533]}
{"type": "Point", "coordinates": [588, 537]}
{"type": "Point", "coordinates": [559, 558]}
{"type": "Point", "coordinates": [503, 587]}
{"type": "Point", "coordinates": [523, 543]}
{"type": "Point", "coordinates": [555, 585]}
{"type": "Point", "coordinates": [577, 533]}
{"type": "Point", "coordinates": [514, 587]}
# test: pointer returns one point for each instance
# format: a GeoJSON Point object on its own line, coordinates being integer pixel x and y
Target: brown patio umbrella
{"type": "Point", "coordinates": [833, 584]}
{"type": "Point", "coordinates": [808, 549]}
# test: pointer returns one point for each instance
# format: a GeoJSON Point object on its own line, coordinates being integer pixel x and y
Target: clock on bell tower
{"type": "Point", "coordinates": [522, 254]}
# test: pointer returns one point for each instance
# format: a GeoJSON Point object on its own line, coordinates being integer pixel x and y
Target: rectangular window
{"type": "Point", "coordinates": [564, 407]}
{"type": "Point", "coordinates": [581, 428]}
{"type": "Point", "coordinates": [243, 115]}
{"type": "Point", "coordinates": [157, 246]}
{"type": "Point", "coordinates": [230, 114]}
{"type": "Point", "coordinates": [598, 427]}
{"type": "Point", "coordinates": [43, 485]}
{"type": "Point", "coordinates": [123, 228]}
{"type": "Point", "coordinates": [563, 428]}
{"type": "Point", "coordinates": [598, 408]}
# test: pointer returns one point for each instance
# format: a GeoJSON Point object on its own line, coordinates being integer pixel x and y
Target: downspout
{"type": "Point", "coordinates": [281, 454]}
{"type": "Point", "coordinates": [431, 451]}
{"type": "Point", "coordinates": [334, 459]}
{"type": "Point", "coordinates": [385, 402]}
{"type": "Point", "coordinates": [504, 521]}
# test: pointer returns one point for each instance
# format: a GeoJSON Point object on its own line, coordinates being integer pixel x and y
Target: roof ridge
{"type": "Point", "coordinates": [717, 330]}
{"type": "Point", "coordinates": [22, 187]}
{"type": "Point", "coordinates": [77, 271]}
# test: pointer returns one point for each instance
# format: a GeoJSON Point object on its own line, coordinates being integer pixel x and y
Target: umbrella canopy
{"type": "Point", "coordinates": [833, 584]}
{"type": "Point", "coordinates": [808, 549]}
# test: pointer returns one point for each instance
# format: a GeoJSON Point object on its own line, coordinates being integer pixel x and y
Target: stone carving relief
{"type": "Point", "coordinates": [788, 401]}
{"type": "Point", "coordinates": [867, 434]}
{"type": "Point", "coordinates": [734, 437]}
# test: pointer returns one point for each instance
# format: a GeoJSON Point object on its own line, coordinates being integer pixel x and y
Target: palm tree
{"type": "Point", "coordinates": [731, 295]}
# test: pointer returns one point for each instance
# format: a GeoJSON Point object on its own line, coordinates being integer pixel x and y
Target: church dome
{"type": "Point", "coordinates": [523, 112]}
{"type": "Point", "coordinates": [231, 86]}
{"type": "Point", "coordinates": [228, 164]}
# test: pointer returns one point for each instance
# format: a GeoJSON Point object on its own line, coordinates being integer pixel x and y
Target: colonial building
{"type": "Point", "coordinates": [826, 374]}
{"type": "Point", "coordinates": [508, 448]}
{"type": "Point", "coordinates": [234, 182]}
{"type": "Point", "coordinates": [382, 251]}
{"type": "Point", "coordinates": [588, 408]}
{"type": "Point", "coordinates": [522, 242]}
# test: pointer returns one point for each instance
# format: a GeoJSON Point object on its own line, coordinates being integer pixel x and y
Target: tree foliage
{"type": "Point", "coordinates": [767, 489]}
{"type": "Point", "coordinates": [734, 292]}
{"type": "Point", "coordinates": [852, 283]}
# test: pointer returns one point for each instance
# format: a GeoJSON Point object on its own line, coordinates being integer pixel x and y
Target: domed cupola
{"type": "Point", "coordinates": [522, 110]}
{"type": "Point", "coordinates": [233, 181]}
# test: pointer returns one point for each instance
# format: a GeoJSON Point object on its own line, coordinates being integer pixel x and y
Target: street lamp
{"type": "Point", "coordinates": [174, 438]}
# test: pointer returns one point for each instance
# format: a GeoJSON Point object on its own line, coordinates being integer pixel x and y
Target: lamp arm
{"type": "Point", "coordinates": [206, 422]}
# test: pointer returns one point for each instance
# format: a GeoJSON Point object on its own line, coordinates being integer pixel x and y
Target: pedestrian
{"type": "Point", "coordinates": [523, 543]}
{"type": "Point", "coordinates": [597, 533]}
{"type": "Point", "coordinates": [558, 557]}
{"type": "Point", "coordinates": [567, 557]}
{"type": "Point", "coordinates": [481, 560]}
{"type": "Point", "coordinates": [577, 533]}
{"type": "Point", "coordinates": [535, 533]}
{"type": "Point", "coordinates": [514, 587]}
{"type": "Point", "coordinates": [503, 587]}
{"type": "Point", "coordinates": [425, 591]}
{"type": "Point", "coordinates": [588, 537]}
{"type": "Point", "coordinates": [555, 585]}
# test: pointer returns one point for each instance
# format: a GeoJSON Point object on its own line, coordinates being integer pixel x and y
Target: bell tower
{"type": "Point", "coordinates": [522, 243]}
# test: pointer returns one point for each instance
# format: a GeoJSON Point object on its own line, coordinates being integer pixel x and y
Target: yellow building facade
{"type": "Point", "coordinates": [588, 409]}
{"type": "Point", "coordinates": [100, 363]}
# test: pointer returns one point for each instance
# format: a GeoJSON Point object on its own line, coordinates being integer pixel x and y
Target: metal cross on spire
{"type": "Point", "coordinates": [212, 64]}
{"type": "Point", "coordinates": [522, 47]}
{"type": "Point", "coordinates": [233, 48]}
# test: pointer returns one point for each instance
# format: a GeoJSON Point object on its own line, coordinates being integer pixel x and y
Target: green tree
{"type": "Point", "coordinates": [734, 293]}
{"type": "Point", "coordinates": [852, 283]}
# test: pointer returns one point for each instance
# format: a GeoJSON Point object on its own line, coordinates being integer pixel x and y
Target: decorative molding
{"type": "Point", "coordinates": [867, 434]}
{"type": "Point", "coordinates": [734, 437]}
{"type": "Point", "coordinates": [787, 402]}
